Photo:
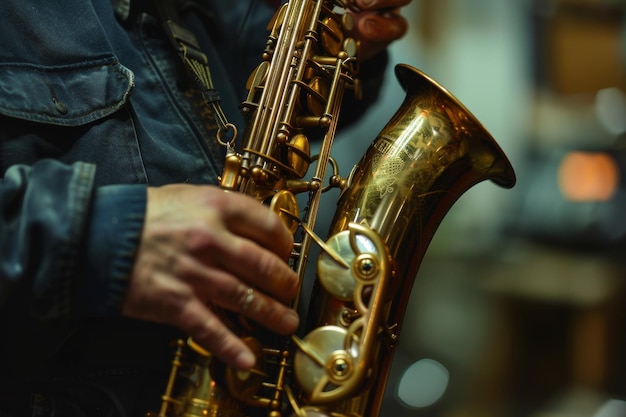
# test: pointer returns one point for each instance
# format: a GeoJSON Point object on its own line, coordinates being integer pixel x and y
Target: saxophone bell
{"type": "Point", "coordinates": [430, 152]}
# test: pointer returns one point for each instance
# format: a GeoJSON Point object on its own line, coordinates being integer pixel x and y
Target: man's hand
{"type": "Point", "coordinates": [377, 24]}
{"type": "Point", "coordinates": [203, 246]}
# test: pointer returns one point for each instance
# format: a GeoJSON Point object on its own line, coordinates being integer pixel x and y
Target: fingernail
{"type": "Point", "coordinates": [245, 360]}
{"type": "Point", "coordinates": [290, 321]}
{"type": "Point", "coordinates": [371, 27]}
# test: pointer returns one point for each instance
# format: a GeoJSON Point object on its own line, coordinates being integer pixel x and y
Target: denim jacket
{"type": "Point", "coordinates": [93, 108]}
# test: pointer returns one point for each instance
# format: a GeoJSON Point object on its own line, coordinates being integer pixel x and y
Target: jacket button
{"type": "Point", "coordinates": [60, 106]}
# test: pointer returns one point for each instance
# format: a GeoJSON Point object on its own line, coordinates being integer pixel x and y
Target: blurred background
{"type": "Point", "coordinates": [519, 307]}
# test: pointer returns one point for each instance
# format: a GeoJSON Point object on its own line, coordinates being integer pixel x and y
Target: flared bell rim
{"type": "Point", "coordinates": [414, 80]}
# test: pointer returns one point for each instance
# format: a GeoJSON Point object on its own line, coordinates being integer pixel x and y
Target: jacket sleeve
{"type": "Point", "coordinates": [65, 243]}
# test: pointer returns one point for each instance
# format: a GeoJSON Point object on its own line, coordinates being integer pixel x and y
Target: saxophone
{"type": "Point", "coordinates": [429, 153]}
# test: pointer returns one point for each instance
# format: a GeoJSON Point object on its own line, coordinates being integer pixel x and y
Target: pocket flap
{"type": "Point", "coordinates": [70, 95]}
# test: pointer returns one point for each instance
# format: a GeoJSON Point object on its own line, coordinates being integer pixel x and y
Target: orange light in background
{"type": "Point", "coordinates": [588, 176]}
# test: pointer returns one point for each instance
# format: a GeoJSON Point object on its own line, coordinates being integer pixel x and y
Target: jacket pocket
{"type": "Point", "coordinates": [67, 95]}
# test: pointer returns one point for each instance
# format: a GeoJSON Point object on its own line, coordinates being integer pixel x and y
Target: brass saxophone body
{"type": "Point", "coordinates": [429, 153]}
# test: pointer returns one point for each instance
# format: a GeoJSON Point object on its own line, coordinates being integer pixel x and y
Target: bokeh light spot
{"type": "Point", "coordinates": [588, 176]}
{"type": "Point", "coordinates": [423, 383]}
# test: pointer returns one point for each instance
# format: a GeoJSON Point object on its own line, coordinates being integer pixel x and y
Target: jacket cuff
{"type": "Point", "coordinates": [112, 237]}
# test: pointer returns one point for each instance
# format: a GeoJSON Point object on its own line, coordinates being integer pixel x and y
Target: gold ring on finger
{"type": "Point", "coordinates": [248, 300]}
